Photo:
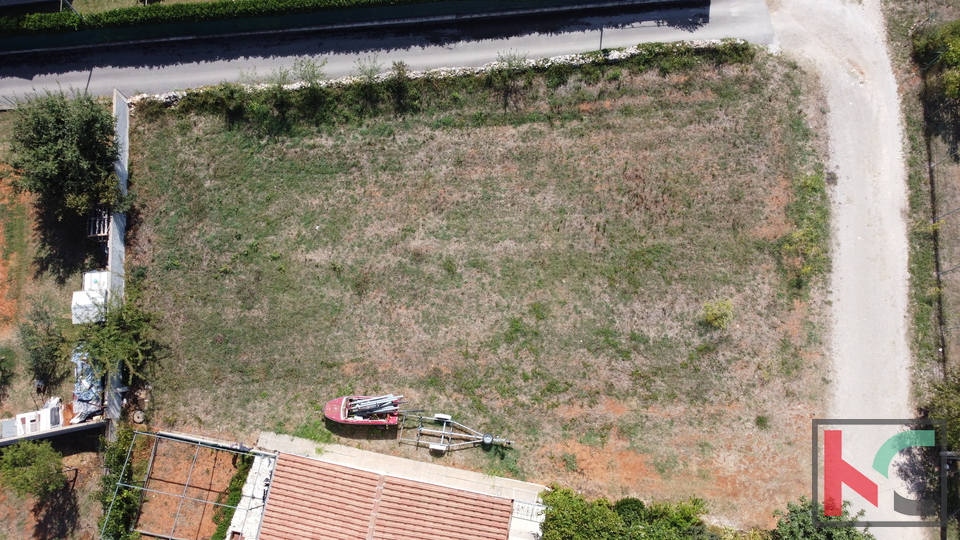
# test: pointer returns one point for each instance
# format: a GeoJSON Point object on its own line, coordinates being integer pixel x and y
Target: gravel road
{"type": "Point", "coordinates": [844, 42]}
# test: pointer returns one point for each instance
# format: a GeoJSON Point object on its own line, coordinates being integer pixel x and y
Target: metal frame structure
{"type": "Point", "coordinates": [182, 496]}
{"type": "Point", "coordinates": [451, 435]}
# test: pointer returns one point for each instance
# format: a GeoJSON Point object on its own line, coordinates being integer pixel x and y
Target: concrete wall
{"type": "Point", "coordinates": [115, 245]}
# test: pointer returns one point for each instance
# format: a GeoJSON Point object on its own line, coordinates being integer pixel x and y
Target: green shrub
{"type": "Point", "coordinates": [678, 517]}
{"type": "Point", "coordinates": [125, 336]}
{"type": "Point", "coordinates": [632, 511]}
{"type": "Point", "coordinates": [937, 53]}
{"type": "Point", "coordinates": [939, 47]}
{"type": "Point", "coordinates": [570, 516]}
{"type": "Point", "coordinates": [558, 74]}
{"type": "Point", "coordinates": [8, 367]}
{"type": "Point", "coordinates": [717, 314]}
{"type": "Point", "coordinates": [797, 524]}
{"type": "Point", "coordinates": [47, 23]}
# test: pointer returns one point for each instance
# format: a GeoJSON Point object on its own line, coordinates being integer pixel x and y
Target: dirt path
{"type": "Point", "coordinates": [845, 43]}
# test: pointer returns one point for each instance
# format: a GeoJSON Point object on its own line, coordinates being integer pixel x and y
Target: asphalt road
{"type": "Point", "coordinates": [172, 65]}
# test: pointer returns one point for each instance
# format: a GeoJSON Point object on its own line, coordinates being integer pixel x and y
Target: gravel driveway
{"type": "Point", "coordinates": [844, 42]}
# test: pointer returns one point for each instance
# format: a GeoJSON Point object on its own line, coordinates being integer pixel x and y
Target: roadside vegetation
{"type": "Point", "coordinates": [63, 150]}
{"type": "Point", "coordinates": [618, 265]}
{"type": "Point", "coordinates": [933, 243]}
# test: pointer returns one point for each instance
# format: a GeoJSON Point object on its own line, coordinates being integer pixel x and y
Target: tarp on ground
{"type": "Point", "coordinates": [88, 388]}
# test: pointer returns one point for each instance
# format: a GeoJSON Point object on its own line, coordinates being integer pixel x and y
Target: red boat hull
{"type": "Point", "coordinates": [336, 409]}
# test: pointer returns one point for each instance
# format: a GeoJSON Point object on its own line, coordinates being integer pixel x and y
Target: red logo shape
{"type": "Point", "coordinates": [836, 472]}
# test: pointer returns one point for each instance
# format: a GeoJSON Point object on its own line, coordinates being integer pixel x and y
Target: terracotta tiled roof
{"type": "Point", "coordinates": [313, 500]}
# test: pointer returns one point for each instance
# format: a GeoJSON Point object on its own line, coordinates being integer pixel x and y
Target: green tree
{"type": "Point", "coordinates": [63, 151]}
{"type": "Point", "coordinates": [42, 336]}
{"type": "Point", "coordinates": [797, 524]}
{"type": "Point", "coordinates": [32, 468]}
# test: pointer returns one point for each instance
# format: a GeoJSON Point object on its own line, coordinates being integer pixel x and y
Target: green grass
{"type": "Point", "coordinates": [497, 263]}
{"type": "Point", "coordinates": [315, 431]}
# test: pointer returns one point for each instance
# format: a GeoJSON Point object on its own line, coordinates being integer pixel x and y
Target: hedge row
{"type": "Point", "coordinates": [65, 21]}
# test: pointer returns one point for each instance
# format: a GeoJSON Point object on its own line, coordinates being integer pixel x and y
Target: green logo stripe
{"type": "Point", "coordinates": [893, 446]}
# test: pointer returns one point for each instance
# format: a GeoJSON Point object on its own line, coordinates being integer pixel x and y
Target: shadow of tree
{"type": "Point", "coordinates": [919, 469]}
{"type": "Point", "coordinates": [369, 433]}
{"type": "Point", "coordinates": [57, 514]}
{"type": "Point", "coordinates": [64, 248]}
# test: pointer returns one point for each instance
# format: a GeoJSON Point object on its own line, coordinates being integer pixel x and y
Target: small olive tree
{"type": "Point", "coordinates": [63, 151]}
{"type": "Point", "coordinates": [32, 469]}
{"type": "Point", "coordinates": [42, 336]}
{"type": "Point", "coordinates": [125, 336]}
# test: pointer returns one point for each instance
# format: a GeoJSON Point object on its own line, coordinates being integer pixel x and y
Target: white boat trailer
{"type": "Point", "coordinates": [446, 435]}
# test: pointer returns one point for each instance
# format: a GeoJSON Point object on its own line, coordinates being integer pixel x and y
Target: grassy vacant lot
{"type": "Point", "coordinates": [532, 257]}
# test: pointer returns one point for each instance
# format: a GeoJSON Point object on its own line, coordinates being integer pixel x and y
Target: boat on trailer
{"type": "Point", "coordinates": [364, 410]}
